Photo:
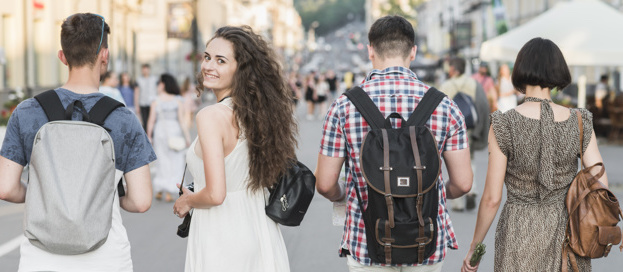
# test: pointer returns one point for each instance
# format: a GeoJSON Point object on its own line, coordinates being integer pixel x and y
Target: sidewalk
{"type": "Point", "coordinates": [613, 159]}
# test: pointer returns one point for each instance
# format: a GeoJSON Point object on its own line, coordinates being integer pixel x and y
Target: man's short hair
{"type": "Point", "coordinates": [80, 38]}
{"type": "Point", "coordinates": [146, 65]}
{"type": "Point", "coordinates": [540, 63]}
{"type": "Point", "coordinates": [458, 64]}
{"type": "Point", "coordinates": [392, 36]}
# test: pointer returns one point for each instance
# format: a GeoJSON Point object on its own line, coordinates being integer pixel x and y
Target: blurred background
{"type": "Point", "coordinates": [312, 37]}
{"type": "Point", "coordinates": [308, 35]}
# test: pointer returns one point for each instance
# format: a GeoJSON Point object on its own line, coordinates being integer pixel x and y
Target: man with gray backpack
{"type": "Point", "coordinates": [390, 133]}
{"type": "Point", "coordinates": [78, 144]}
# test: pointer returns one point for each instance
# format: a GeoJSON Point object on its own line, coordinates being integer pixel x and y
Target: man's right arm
{"type": "Point", "coordinates": [11, 189]}
{"type": "Point", "coordinates": [460, 173]}
{"type": "Point", "coordinates": [139, 192]}
{"type": "Point", "coordinates": [327, 176]}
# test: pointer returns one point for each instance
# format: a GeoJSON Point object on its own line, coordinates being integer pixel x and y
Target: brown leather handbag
{"type": "Point", "coordinates": [593, 215]}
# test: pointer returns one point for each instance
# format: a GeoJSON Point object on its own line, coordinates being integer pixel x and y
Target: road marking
{"type": "Point", "coordinates": [11, 209]}
{"type": "Point", "coordinates": [10, 245]}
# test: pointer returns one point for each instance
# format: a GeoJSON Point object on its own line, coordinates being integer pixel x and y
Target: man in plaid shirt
{"type": "Point", "coordinates": [393, 88]}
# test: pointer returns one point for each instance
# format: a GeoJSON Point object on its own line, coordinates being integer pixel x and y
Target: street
{"type": "Point", "coordinates": [313, 246]}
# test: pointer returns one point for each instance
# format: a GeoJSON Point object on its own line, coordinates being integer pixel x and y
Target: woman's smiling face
{"type": "Point", "coordinates": [219, 66]}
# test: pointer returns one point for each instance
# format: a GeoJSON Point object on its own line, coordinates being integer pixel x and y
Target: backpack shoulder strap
{"type": "Point", "coordinates": [102, 109]}
{"type": "Point", "coordinates": [51, 104]}
{"type": "Point", "coordinates": [426, 107]}
{"type": "Point", "coordinates": [366, 107]}
{"type": "Point", "coordinates": [98, 115]}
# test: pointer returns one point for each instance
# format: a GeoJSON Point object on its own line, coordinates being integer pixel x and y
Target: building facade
{"type": "Point", "coordinates": [459, 27]}
{"type": "Point", "coordinates": [158, 32]}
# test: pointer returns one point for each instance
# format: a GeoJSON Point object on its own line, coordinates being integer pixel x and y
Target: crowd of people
{"type": "Point", "coordinates": [248, 139]}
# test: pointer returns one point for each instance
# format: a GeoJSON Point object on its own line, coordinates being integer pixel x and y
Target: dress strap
{"type": "Point", "coordinates": [546, 163]}
{"type": "Point", "coordinates": [227, 103]}
{"type": "Point", "coordinates": [534, 99]}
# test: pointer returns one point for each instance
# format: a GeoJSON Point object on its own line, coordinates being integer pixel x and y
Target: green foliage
{"type": "Point", "coordinates": [330, 14]}
{"type": "Point", "coordinates": [394, 7]}
{"type": "Point", "coordinates": [8, 107]}
{"type": "Point", "coordinates": [479, 251]}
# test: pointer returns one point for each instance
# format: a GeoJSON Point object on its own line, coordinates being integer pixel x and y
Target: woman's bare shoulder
{"type": "Point", "coordinates": [215, 111]}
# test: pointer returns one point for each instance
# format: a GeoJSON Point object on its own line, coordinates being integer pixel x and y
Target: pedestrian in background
{"type": "Point", "coordinates": [191, 102]}
{"type": "Point", "coordinates": [245, 142]}
{"type": "Point", "coordinates": [84, 43]}
{"type": "Point", "coordinates": [322, 91]}
{"type": "Point", "coordinates": [164, 127]}
{"type": "Point", "coordinates": [109, 86]}
{"type": "Point", "coordinates": [459, 82]}
{"type": "Point", "coordinates": [294, 85]}
{"type": "Point", "coordinates": [126, 87]}
{"type": "Point", "coordinates": [146, 93]}
{"type": "Point", "coordinates": [603, 96]}
{"type": "Point", "coordinates": [507, 97]}
{"type": "Point", "coordinates": [533, 149]}
{"type": "Point", "coordinates": [334, 84]}
{"type": "Point", "coordinates": [348, 80]}
{"type": "Point", "coordinates": [310, 94]}
{"type": "Point", "coordinates": [393, 88]}
{"type": "Point", "coordinates": [484, 78]}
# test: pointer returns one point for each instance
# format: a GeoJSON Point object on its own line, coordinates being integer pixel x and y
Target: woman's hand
{"type": "Point", "coordinates": [182, 204]}
{"type": "Point", "coordinates": [466, 267]}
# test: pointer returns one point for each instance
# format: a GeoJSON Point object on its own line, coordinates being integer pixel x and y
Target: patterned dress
{"type": "Point", "coordinates": [542, 161]}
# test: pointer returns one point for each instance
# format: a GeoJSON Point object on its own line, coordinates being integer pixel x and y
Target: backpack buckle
{"type": "Point", "coordinates": [423, 167]}
{"type": "Point", "coordinates": [421, 241]}
{"type": "Point", "coordinates": [383, 168]}
{"type": "Point", "coordinates": [607, 251]}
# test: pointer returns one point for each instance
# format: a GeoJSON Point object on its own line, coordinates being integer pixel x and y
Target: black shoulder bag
{"type": "Point", "coordinates": [291, 196]}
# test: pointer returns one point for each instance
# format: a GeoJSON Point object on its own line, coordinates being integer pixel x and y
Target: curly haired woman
{"type": "Point", "coordinates": [245, 142]}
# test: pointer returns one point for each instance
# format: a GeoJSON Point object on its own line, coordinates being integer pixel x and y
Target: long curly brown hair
{"type": "Point", "coordinates": [262, 105]}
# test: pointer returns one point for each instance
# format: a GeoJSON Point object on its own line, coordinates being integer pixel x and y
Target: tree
{"type": "Point", "coordinates": [330, 14]}
{"type": "Point", "coordinates": [404, 8]}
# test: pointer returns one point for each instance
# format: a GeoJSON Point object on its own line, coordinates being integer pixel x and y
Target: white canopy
{"type": "Point", "coordinates": [587, 31]}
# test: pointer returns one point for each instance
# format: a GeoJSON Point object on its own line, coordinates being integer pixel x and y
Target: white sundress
{"type": "Point", "coordinates": [236, 235]}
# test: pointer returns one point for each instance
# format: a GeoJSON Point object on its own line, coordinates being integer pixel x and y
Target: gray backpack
{"type": "Point", "coordinates": [71, 179]}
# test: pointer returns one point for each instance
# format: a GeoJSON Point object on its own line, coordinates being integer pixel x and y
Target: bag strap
{"type": "Point", "coordinates": [52, 105]}
{"type": "Point", "coordinates": [102, 109]}
{"type": "Point", "coordinates": [581, 128]}
{"type": "Point", "coordinates": [366, 107]}
{"type": "Point", "coordinates": [183, 177]}
{"type": "Point", "coordinates": [54, 110]}
{"type": "Point", "coordinates": [425, 107]}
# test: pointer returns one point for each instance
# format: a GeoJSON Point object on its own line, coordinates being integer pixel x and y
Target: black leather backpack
{"type": "Point", "coordinates": [401, 167]}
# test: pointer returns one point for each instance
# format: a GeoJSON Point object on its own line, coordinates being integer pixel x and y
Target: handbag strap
{"type": "Point", "coordinates": [581, 128]}
{"type": "Point", "coordinates": [183, 177]}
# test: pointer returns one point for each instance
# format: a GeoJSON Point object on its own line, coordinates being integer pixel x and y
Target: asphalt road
{"type": "Point", "coordinates": [313, 246]}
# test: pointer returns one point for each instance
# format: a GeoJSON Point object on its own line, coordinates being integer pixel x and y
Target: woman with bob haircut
{"type": "Point", "coordinates": [534, 150]}
{"type": "Point", "coordinates": [245, 142]}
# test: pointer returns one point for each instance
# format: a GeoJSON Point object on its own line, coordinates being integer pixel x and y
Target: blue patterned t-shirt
{"type": "Point", "coordinates": [132, 148]}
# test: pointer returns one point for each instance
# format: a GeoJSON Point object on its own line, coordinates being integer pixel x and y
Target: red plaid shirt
{"type": "Point", "coordinates": [395, 89]}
